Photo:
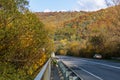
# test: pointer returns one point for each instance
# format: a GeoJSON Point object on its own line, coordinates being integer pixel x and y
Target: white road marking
{"type": "Point", "coordinates": [89, 73]}
{"type": "Point", "coordinates": [93, 62]}
{"type": "Point", "coordinates": [103, 64]}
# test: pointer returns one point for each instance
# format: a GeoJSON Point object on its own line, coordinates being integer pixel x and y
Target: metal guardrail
{"type": "Point", "coordinates": [67, 72]}
{"type": "Point", "coordinates": [45, 72]}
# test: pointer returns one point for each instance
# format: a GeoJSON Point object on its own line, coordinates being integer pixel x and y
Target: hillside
{"type": "Point", "coordinates": [58, 17]}
{"type": "Point", "coordinates": [86, 33]}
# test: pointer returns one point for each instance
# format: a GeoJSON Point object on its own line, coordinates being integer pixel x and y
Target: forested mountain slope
{"type": "Point", "coordinates": [58, 17]}
{"type": "Point", "coordinates": [86, 33]}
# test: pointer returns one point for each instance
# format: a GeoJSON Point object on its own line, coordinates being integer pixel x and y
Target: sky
{"type": "Point", "coordinates": [65, 5]}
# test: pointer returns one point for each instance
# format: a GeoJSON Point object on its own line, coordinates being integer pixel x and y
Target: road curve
{"type": "Point", "coordinates": [92, 69]}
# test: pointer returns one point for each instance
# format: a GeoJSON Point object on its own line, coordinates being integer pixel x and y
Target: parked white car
{"type": "Point", "coordinates": [97, 56]}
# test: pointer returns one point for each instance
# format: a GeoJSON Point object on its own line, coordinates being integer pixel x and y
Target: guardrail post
{"type": "Point", "coordinates": [67, 75]}
{"type": "Point", "coordinates": [70, 78]}
{"type": "Point", "coordinates": [75, 78]}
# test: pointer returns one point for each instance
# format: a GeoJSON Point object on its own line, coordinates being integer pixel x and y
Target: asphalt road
{"type": "Point", "coordinates": [92, 69]}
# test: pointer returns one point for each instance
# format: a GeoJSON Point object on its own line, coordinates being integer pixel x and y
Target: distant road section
{"type": "Point", "coordinates": [92, 69]}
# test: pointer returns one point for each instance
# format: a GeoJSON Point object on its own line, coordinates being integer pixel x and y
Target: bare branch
{"type": "Point", "coordinates": [112, 2]}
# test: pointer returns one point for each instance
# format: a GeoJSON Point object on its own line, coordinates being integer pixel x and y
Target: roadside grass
{"type": "Point", "coordinates": [113, 60]}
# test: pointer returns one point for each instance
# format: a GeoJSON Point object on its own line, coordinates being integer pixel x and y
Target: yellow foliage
{"type": "Point", "coordinates": [30, 71]}
{"type": "Point", "coordinates": [35, 66]}
{"type": "Point", "coordinates": [26, 40]}
{"type": "Point", "coordinates": [74, 47]}
{"type": "Point", "coordinates": [64, 41]}
{"type": "Point", "coordinates": [74, 44]}
{"type": "Point", "coordinates": [62, 52]}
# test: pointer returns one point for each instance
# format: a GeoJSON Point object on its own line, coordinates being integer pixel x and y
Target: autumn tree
{"type": "Point", "coordinates": [22, 39]}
